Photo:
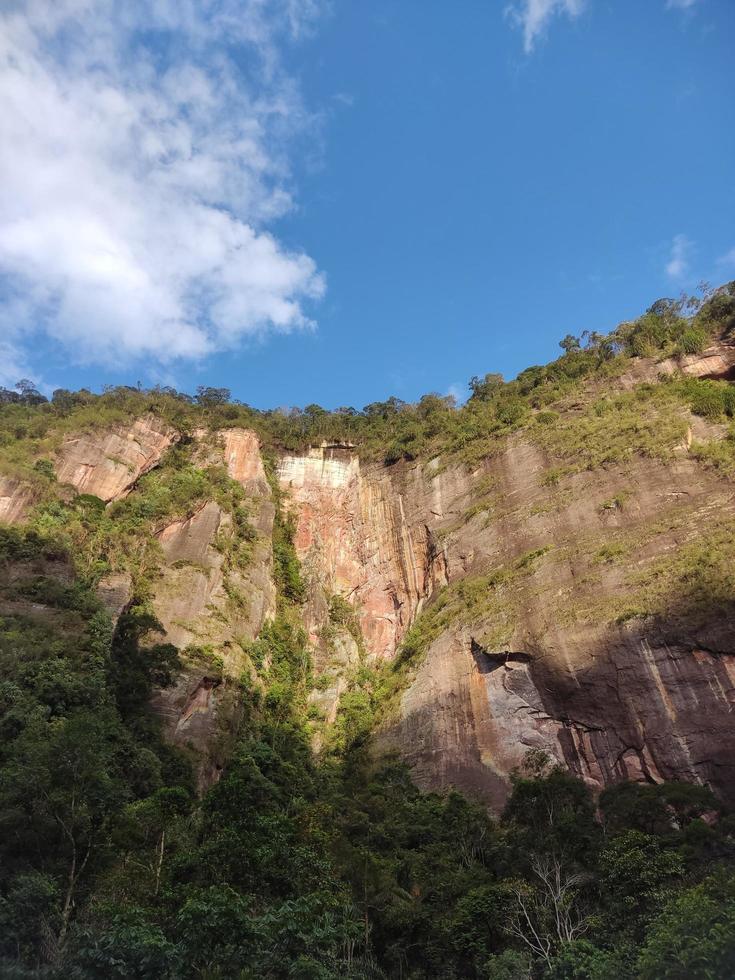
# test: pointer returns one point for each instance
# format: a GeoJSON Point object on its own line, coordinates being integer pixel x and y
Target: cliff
{"type": "Point", "coordinates": [575, 618]}
{"type": "Point", "coordinates": [568, 588]}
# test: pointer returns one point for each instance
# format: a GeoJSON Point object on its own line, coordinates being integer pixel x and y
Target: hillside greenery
{"type": "Point", "coordinates": [545, 398]}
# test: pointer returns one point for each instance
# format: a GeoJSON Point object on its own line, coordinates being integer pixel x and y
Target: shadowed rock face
{"type": "Point", "coordinates": [648, 700]}
{"type": "Point", "coordinates": [545, 660]}
{"type": "Point", "coordinates": [114, 591]}
{"type": "Point", "coordinates": [108, 464]}
{"type": "Point", "coordinates": [548, 669]}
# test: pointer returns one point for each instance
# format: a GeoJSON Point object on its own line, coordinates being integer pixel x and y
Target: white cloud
{"type": "Point", "coordinates": [728, 259]}
{"type": "Point", "coordinates": [458, 392]}
{"type": "Point", "coordinates": [144, 150]}
{"type": "Point", "coordinates": [680, 4]}
{"type": "Point", "coordinates": [533, 17]}
{"type": "Point", "coordinates": [678, 264]}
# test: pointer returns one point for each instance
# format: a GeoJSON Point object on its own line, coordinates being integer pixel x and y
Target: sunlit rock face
{"type": "Point", "coordinates": [640, 700]}
{"type": "Point", "coordinates": [356, 538]}
{"type": "Point", "coordinates": [716, 362]}
{"type": "Point", "coordinates": [544, 662]}
{"type": "Point", "coordinates": [242, 456]}
{"type": "Point", "coordinates": [107, 464]}
{"type": "Point", "coordinates": [16, 499]}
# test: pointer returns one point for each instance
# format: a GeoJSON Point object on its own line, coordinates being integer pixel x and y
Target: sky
{"type": "Point", "coordinates": [336, 201]}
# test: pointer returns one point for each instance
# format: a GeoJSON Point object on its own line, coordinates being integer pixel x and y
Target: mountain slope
{"type": "Point", "coordinates": [542, 578]}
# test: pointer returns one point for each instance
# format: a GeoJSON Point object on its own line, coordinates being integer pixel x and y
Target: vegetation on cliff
{"type": "Point", "coordinates": [304, 867]}
{"type": "Point", "coordinates": [313, 867]}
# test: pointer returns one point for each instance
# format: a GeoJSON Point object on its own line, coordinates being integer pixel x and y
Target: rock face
{"type": "Point", "coordinates": [355, 539]}
{"type": "Point", "coordinates": [545, 665]}
{"type": "Point", "coordinates": [107, 464]}
{"type": "Point", "coordinates": [114, 591]}
{"type": "Point", "coordinates": [717, 362]}
{"type": "Point", "coordinates": [209, 607]}
{"type": "Point", "coordinates": [552, 635]}
{"type": "Point", "coordinates": [16, 499]}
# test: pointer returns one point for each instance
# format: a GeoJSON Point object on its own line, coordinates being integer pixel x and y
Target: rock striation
{"type": "Point", "coordinates": [356, 539]}
{"type": "Point", "coordinates": [545, 665]}
{"type": "Point", "coordinates": [552, 634]}
{"type": "Point", "coordinates": [108, 464]}
{"type": "Point", "coordinates": [16, 499]}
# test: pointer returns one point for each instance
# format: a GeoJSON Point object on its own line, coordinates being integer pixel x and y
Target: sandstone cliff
{"type": "Point", "coordinates": [571, 591]}
{"type": "Point", "coordinates": [210, 607]}
{"type": "Point", "coordinates": [567, 651]}
{"type": "Point", "coordinates": [573, 649]}
{"type": "Point", "coordinates": [108, 464]}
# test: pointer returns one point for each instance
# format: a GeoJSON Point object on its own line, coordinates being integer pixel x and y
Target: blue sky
{"type": "Point", "coordinates": [337, 203]}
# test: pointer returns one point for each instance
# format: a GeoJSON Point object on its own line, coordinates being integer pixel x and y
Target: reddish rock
{"type": "Point", "coordinates": [354, 538]}
{"type": "Point", "coordinates": [648, 701]}
{"type": "Point", "coordinates": [243, 459]}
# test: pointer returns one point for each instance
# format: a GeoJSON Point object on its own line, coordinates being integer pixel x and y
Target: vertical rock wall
{"type": "Point", "coordinates": [355, 538]}
{"type": "Point", "coordinates": [544, 664]}
{"type": "Point", "coordinates": [108, 464]}
{"type": "Point", "coordinates": [211, 611]}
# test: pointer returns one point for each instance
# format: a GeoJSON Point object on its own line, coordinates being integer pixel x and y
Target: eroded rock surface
{"type": "Point", "coordinates": [554, 654]}
{"type": "Point", "coordinates": [355, 539]}
{"type": "Point", "coordinates": [544, 665]}
{"type": "Point", "coordinates": [16, 499]}
{"type": "Point", "coordinates": [210, 607]}
{"type": "Point", "coordinates": [114, 591]}
{"type": "Point", "coordinates": [107, 464]}
{"type": "Point", "coordinates": [716, 362]}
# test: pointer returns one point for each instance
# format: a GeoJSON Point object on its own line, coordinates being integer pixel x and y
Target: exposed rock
{"type": "Point", "coordinates": [646, 701]}
{"type": "Point", "coordinates": [114, 591]}
{"type": "Point", "coordinates": [543, 665]}
{"type": "Point", "coordinates": [193, 600]}
{"type": "Point", "coordinates": [202, 603]}
{"type": "Point", "coordinates": [243, 459]}
{"type": "Point", "coordinates": [200, 713]}
{"type": "Point", "coordinates": [355, 539]}
{"type": "Point", "coordinates": [16, 499]}
{"type": "Point", "coordinates": [107, 463]}
{"type": "Point", "coordinates": [718, 361]}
